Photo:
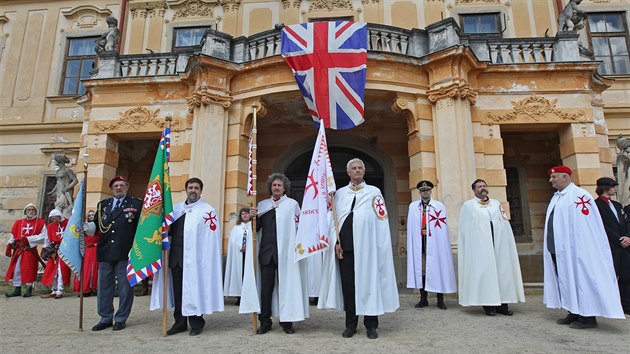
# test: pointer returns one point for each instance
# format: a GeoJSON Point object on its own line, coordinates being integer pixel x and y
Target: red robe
{"type": "Point", "coordinates": [90, 266]}
{"type": "Point", "coordinates": [55, 235]}
{"type": "Point", "coordinates": [22, 229]}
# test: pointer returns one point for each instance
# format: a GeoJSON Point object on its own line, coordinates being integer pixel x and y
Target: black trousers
{"type": "Point", "coordinates": [346, 270]}
{"type": "Point", "coordinates": [267, 284]}
{"type": "Point", "coordinates": [196, 322]}
{"type": "Point", "coordinates": [624, 292]}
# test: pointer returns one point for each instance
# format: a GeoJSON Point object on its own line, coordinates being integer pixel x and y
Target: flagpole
{"type": "Point", "coordinates": [252, 200]}
{"type": "Point", "coordinates": [81, 272]}
{"type": "Point", "coordinates": [168, 119]}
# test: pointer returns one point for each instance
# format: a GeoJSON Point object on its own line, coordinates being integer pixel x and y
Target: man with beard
{"type": "Point", "coordinates": [26, 234]}
{"type": "Point", "coordinates": [489, 270]}
{"type": "Point", "coordinates": [282, 287]}
{"type": "Point", "coordinates": [194, 263]}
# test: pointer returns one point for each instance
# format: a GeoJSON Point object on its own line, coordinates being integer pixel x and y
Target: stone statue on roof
{"type": "Point", "coordinates": [572, 18]}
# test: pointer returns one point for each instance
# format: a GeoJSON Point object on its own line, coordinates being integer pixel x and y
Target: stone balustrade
{"type": "Point", "coordinates": [416, 43]}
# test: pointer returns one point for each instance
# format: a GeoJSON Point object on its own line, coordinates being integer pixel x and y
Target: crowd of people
{"type": "Point", "coordinates": [586, 256]}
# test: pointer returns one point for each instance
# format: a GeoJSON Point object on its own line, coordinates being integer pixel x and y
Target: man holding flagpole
{"type": "Point", "coordinates": [117, 219]}
{"type": "Point", "coordinates": [282, 281]}
{"type": "Point", "coordinates": [364, 251]}
{"type": "Point", "coordinates": [194, 263]}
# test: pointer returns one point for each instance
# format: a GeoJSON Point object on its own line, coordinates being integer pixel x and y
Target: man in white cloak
{"type": "Point", "coordinates": [363, 282]}
{"type": "Point", "coordinates": [429, 257]}
{"type": "Point", "coordinates": [282, 283]}
{"type": "Point", "coordinates": [579, 272]}
{"type": "Point", "coordinates": [237, 245]}
{"type": "Point", "coordinates": [195, 285]}
{"type": "Point", "coordinates": [489, 269]}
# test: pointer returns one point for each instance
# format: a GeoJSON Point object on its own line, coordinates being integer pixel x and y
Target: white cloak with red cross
{"type": "Point", "coordinates": [488, 265]}
{"type": "Point", "coordinates": [290, 296]}
{"type": "Point", "coordinates": [202, 281]}
{"type": "Point", "coordinates": [585, 282]}
{"type": "Point", "coordinates": [375, 286]}
{"type": "Point", "coordinates": [439, 269]}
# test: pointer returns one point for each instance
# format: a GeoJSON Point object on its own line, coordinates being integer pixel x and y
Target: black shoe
{"type": "Point", "coordinates": [422, 303]}
{"type": "Point", "coordinates": [571, 317]}
{"type": "Point", "coordinates": [119, 326]}
{"type": "Point", "coordinates": [503, 309]}
{"type": "Point", "coordinates": [101, 326]}
{"type": "Point", "coordinates": [288, 330]}
{"type": "Point", "coordinates": [17, 291]}
{"type": "Point", "coordinates": [313, 301]}
{"type": "Point", "coordinates": [349, 332]}
{"type": "Point", "coordinates": [490, 311]}
{"type": "Point", "coordinates": [29, 292]}
{"type": "Point", "coordinates": [263, 329]}
{"type": "Point", "coordinates": [440, 301]}
{"type": "Point", "coordinates": [584, 323]}
{"type": "Point", "coordinates": [371, 333]}
{"type": "Point", "coordinates": [195, 331]}
{"type": "Point", "coordinates": [177, 328]}
{"type": "Point", "coordinates": [238, 302]}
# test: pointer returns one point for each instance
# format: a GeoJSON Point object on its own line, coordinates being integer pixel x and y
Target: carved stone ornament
{"type": "Point", "coordinates": [405, 107]}
{"type": "Point", "coordinates": [230, 5]}
{"type": "Point", "coordinates": [205, 97]}
{"type": "Point", "coordinates": [535, 108]}
{"type": "Point", "coordinates": [192, 8]}
{"type": "Point", "coordinates": [467, 2]}
{"type": "Point", "coordinates": [330, 5]}
{"type": "Point", "coordinates": [86, 16]}
{"type": "Point", "coordinates": [367, 2]}
{"type": "Point", "coordinates": [463, 91]}
{"type": "Point", "coordinates": [135, 119]}
{"type": "Point", "coordinates": [287, 3]}
{"type": "Point", "coordinates": [147, 9]}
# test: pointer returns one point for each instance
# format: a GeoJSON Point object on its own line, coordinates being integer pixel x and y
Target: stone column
{"type": "Point", "coordinates": [580, 151]}
{"type": "Point", "coordinates": [208, 144]}
{"type": "Point", "coordinates": [454, 148]}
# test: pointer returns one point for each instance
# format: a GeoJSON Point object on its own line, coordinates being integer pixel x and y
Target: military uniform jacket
{"type": "Point", "coordinates": [117, 228]}
{"type": "Point", "coordinates": [616, 226]}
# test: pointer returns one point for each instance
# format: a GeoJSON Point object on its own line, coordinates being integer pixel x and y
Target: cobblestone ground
{"type": "Point", "coordinates": [35, 325]}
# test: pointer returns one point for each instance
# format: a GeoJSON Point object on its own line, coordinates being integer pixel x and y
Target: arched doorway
{"type": "Point", "coordinates": [297, 170]}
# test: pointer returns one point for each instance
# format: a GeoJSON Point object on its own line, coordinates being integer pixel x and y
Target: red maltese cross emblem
{"type": "Point", "coordinates": [583, 203]}
{"type": "Point", "coordinates": [439, 220]}
{"type": "Point", "coordinates": [212, 219]}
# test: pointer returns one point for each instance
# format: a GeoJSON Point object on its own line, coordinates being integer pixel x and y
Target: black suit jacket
{"type": "Point", "coordinates": [268, 243]}
{"type": "Point", "coordinates": [116, 229]}
{"type": "Point", "coordinates": [615, 228]}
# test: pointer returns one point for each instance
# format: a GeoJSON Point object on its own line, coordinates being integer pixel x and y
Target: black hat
{"type": "Point", "coordinates": [606, 181]}
{"type": "Point", "coordinates": [424, 185]}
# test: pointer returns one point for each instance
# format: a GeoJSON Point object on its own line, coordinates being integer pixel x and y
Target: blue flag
{"type": "Point", "coordinates": [72, 244]}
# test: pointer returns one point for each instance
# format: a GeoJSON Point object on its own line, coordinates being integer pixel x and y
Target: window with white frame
{"type": "Point", "coordinates": [609, 41]}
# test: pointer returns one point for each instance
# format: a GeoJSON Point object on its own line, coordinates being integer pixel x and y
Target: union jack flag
{"type": "Point", "coordinates": [329, 61]}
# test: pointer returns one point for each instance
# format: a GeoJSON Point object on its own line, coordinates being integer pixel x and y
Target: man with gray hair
{"type": "Point", "coordinates": [283, 287]}
{"type": "Point", "coordinates": [366, 264]}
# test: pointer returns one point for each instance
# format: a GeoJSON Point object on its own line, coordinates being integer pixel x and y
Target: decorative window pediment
{"type": "Point", "coordinates": [86, 16]}
{"type": "Point", "coordinates": [192, 8]}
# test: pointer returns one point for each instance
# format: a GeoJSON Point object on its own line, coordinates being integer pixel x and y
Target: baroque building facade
{"type": "Point", "coordinates": [456, 90]}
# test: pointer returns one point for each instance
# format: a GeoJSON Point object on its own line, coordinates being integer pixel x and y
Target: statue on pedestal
{"type": "Point", "coordinates": [64, 188]}
{"type": "Point", "coordinates": [108, 41]}
{"type": "Point", "coordinates": [572, 18]}
{"type": "Point", "coordinates": [623, 170]}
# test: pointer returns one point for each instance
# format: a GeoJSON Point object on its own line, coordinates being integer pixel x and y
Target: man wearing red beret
{"type": "Point", "coordinates": [116, 221]}
{"type": "Point", "coordinates": [579, 273]}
